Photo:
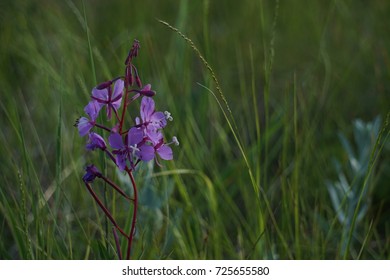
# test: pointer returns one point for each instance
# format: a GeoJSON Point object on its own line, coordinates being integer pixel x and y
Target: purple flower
{"type": "Point", "coordinates": [162, 149]}
{"type": "Point", "coordinates": [126, 152]}
{"type": "Point", "coordinates": [146, 91]}
{"type": "Point", "coordinates": [151, 121]}
{"type": "Point", "coordinates": [96, 142]}
{"type": "Point", "coordinates": [105, 97]}
{"type": "Point", "coordinates": [91, 173]}
{"type": "Point", "coordinates": [149, 116]}
{"type": "Point", "coordinates": [84, 124]}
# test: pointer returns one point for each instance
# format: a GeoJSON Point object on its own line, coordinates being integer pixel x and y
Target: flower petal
{"type": "Point", "coordinates": [153, 135]}
{"type": "Point", "coordinates": [134, 136]}
{"type": "Point", "coordinates": [146, 91]}
{"type": "Point", "coordinates": [92, 109]}
{"type": "Point", "coordinates": [121, 161]}
{"type": "Point", "coordinates": [165, 152]}
{"type": "Point", "coordinates": [158, 119]}
{"type": "Point", "coordinates": [84, 126]}
{"type": "Point", "coordinates": [118, 89]}
{"type": "Point", "coordinates": [115, 141]}
{"type": "Point", "coordinates": [117, 94]}
{"type": "Point", "coordinates": [96, 142]}
{"type": "Point", "coordinates": [147, 87]}
{"type": "Point", "coordinates": [91, 173]}
{"type": "Point", "coordinates": [147, 108]}
{"type": "Point", "coordinates": [146, 153]}
{"type": "Point", "coordinates": [100, 93]}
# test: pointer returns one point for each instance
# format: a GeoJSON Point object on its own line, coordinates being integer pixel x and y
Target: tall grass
{"type": "Point", "coordinates": [258, 93]}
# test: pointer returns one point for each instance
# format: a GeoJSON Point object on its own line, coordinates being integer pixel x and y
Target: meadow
{"type": "Point", "coordinates": [281, 109]}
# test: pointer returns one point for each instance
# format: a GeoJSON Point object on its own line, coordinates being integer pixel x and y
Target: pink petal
{"type": "Point", "coordinates": [165, 152]}
{"type": "Point", "coordinates": [100, 93]}
{"type": "Point", "coordinates": [121, 162]}
{"type": "Point", "coordinates": [116, 141]}
{"type": "Point", "coordinates": [159, 119]}
{"type": "Point", "coordinates": [146, 153]}
{"type": "Point", "coordinates": [147, 108]}
{"type": "Point", "coordinates": [134, 136]}
{"type": "Point", "coordinates": [118, 89]}
{"type": "Point", "coordinates": [92, 109]}
{"type": "Point", "coordinates": [84, 126]}
{"type": "Point", "coordinates": [147, 87]}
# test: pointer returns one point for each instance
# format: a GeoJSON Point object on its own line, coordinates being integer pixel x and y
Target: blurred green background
{"type": "Point", "coordinates": [295, 75]}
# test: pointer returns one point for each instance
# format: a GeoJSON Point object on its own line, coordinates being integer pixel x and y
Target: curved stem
{"type": "Point", "coordinates": [102, 127]}
{"type": "Point", "coordinates": [108, 181]}
{"type": "Point", "coordinates": [134, 219]}
{"type": "Point", "coordinates": [105, 210]}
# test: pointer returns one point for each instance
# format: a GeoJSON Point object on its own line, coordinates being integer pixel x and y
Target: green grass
{"type": "Point", "coordinates": [258, 91]}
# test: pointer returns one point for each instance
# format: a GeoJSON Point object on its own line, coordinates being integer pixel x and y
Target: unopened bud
{"type": "Point", "coordinates": [138, 81]}
{"type": "Point", "coordinates": [104, 85]}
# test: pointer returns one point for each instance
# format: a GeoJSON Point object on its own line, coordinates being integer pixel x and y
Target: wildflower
{"type": "Point", "coordinates": [151, 121]}
{"type": "Point", "coordinates": [161, 148]}
{"type": "Point", "coordinates": [91, 173]}
{"type": "Point", "coordinates": [146, 91]}
{"type": "Point", "coordinates": [84, 124]}
{"type": "Point", "coordinates": [129, 151]}
{"type": "Point", "coordinates": [96, 142]}
{"type": "Point", "coordinates": [142, 142]}
{"type": "Point", "coordinates": [105, 97]}
{"type": "Point", "coordinates": [164, 151]}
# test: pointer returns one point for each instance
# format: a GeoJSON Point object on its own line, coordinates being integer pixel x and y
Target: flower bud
{"type": "Point", "coordinates": [91, 173]}
{"type": "Point", "coordinates": [104, 85]}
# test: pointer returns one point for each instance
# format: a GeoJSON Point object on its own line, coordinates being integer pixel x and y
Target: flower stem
{"type": "Point", "coordinates": [105, 210]}
{"type": "Point", "coordinates": [108, 181]}
{"type": "Point", "coordinates": [102, 127]}
{"type": "Point", "coordinates": [134, 219]}
{"type": "Point", "coordinates": [123, 111]}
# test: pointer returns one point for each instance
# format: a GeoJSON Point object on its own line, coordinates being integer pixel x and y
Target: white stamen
{"type": "Point", "coordinates": [175, 141]}
{"type": "Point", "coordinates": [134, 148]}
{"type": "Point", "coordinates": [168, 116]}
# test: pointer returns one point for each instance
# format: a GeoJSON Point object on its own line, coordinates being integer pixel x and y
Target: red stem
{"type": "Point", "coordinates": [133, 222]}
{"type": "Point", "coordinates": [102, 127]}
{"type": "Point", "coordinates": [105, 210]}
{"type": "Point", "coordinates": [108, 181]}
{"type": "Point", "coordinates": [123, 112]}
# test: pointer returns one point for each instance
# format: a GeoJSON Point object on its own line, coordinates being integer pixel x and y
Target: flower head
{"type": "Point", "coordinates": [84, 124]}
{"type": "Point", "coordinates": [105, 97]}
{"type": "Point", "coordinates": [151, 121]}
{"type": "Point", "coordinates": [149, 152]}
{"type": "Point", "coordinates": [91, 173]}
{"type": "Point", "coordinates": [125, 152]}
{"type": "Point", "coordinates": [96, 142]}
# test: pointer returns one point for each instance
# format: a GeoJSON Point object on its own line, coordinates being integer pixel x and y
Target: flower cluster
{"type": "Point", "coordinates": [141, 142]}
{"type": "Point", "coordinates": [126, 147]}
